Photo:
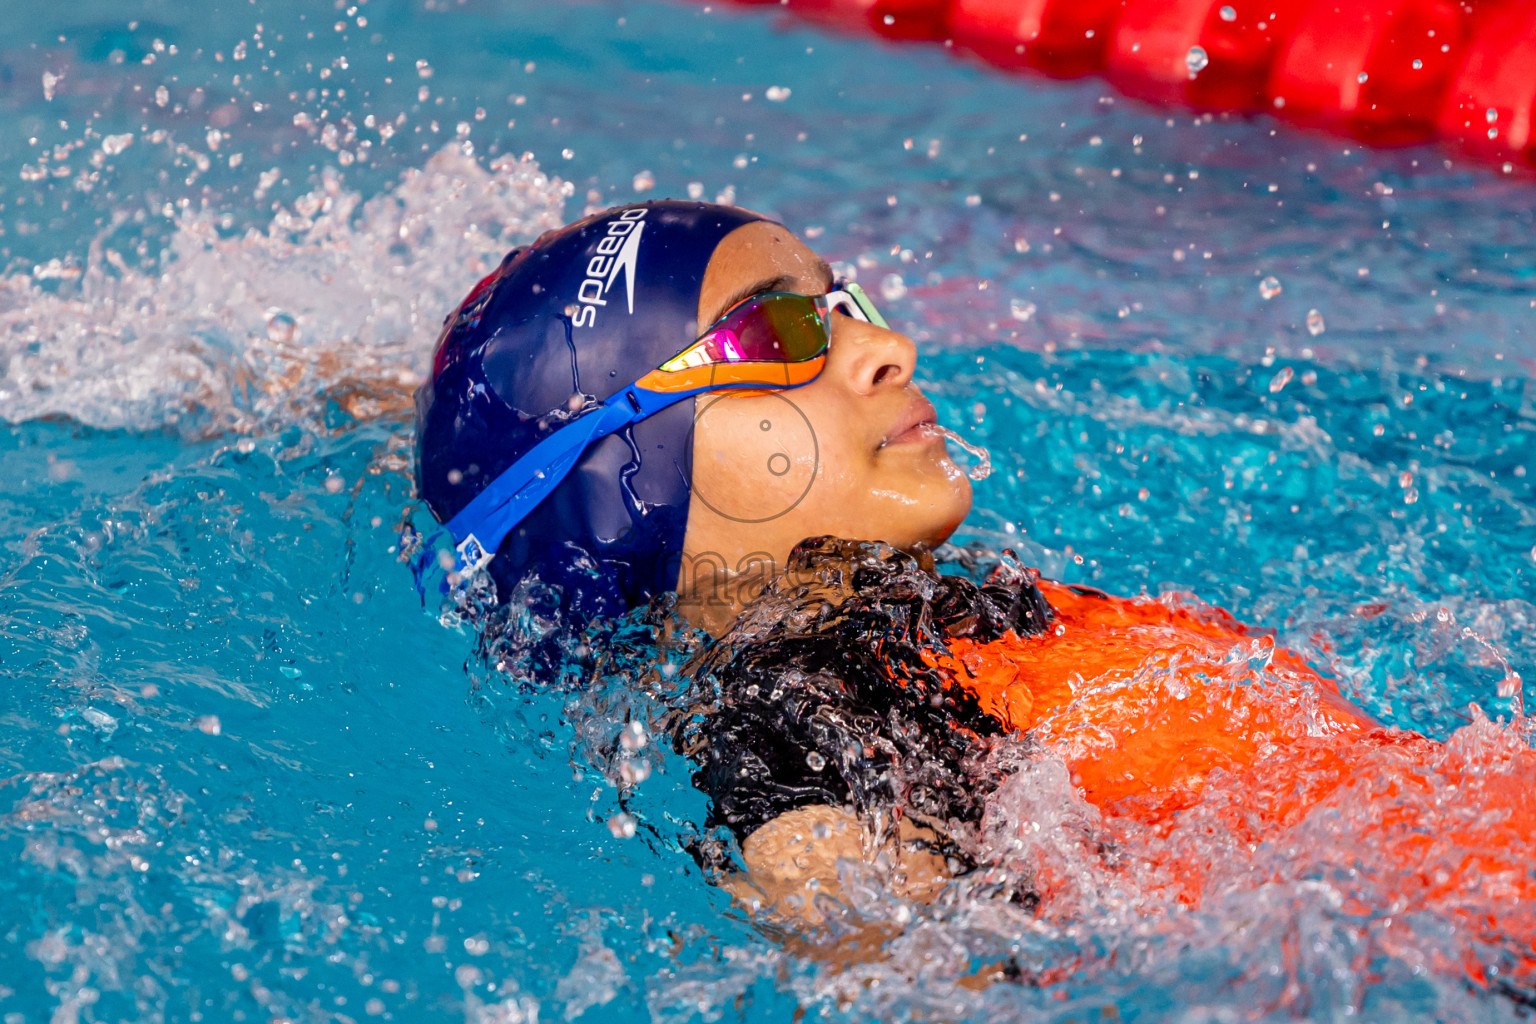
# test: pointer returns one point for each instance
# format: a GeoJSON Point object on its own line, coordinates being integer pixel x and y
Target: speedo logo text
{"type": "Point", "coordinates": [616, 254]}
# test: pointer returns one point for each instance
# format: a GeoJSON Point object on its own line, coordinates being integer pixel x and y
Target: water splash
{"type": "Point", "coordinates": [335, 303]}
{"type": "Point", "coordinates": [983, 465]}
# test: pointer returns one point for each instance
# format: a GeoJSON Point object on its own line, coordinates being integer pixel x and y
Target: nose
{"type": "Point", "coordinates": [869, 358]}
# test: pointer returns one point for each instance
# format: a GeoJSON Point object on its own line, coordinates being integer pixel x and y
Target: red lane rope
{"type": "Point", "coordinates": [1388, 72]}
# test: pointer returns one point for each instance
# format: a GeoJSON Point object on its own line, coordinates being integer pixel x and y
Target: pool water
{"type": "Point", "coordinates": [252, 772]}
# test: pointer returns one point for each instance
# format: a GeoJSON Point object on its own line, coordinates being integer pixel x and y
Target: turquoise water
{"type": "Point", "coordinates": [249, 771]}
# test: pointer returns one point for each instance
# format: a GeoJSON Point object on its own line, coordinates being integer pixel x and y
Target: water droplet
{"type": "Point", "coordinates": [644, 181]}
{"type": "Point", "coordinates": [1196, 59]}
{"type": "Point", "coordinates": [622, 826]}
{"type": "Point", "coordinates": [1492, 115]}
{"type": "Point", "coordinates": [280, 326]}
{"type": "Point", "coordinates": [1362, 78]}
{"type": "Point", "coordinates": [1509, 686]}
{"type": "Point", "coordinates": [100, 719]}
{"type": "Point", "coordinates": [1315, 325]}
{"type": "Point", "coordinates": [777, 93]}
{"type": "Point", "coordinates": [1270, 287]}
{"type": "Point", "coordinates": [815, 761]}
{"type": "Point", "coordinates": [892, 287]}
{"type": "Point", "coordinates": [1417, 64]}
{"type": "Point", "coordinates": [1278, 382]}
{"type": "Point", "coordinates": [634, 772]}
{"type": "Point", "coordinates": [1022, 309]}
{"type": "Point", "coordinates": [1228, 13]}
{"type": "Point", "coordinates": [633, 736]}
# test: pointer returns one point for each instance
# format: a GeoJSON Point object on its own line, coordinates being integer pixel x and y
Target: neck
{"type": "Point", "coordinates": [712, 597]}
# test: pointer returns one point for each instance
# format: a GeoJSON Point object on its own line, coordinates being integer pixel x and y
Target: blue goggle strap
{"type": "Point", "coordinates": [484, 523]}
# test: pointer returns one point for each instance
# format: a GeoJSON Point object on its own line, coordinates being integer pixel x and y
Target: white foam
{"type": "Point", "coordinates": [338, 299]}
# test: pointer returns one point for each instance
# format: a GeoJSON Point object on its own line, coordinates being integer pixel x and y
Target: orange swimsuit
{"type": "Point", "coordinates": [1177, 723]}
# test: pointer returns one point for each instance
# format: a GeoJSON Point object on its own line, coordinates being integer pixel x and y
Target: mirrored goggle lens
{"type": "Point", "coordinates": [779, 327]}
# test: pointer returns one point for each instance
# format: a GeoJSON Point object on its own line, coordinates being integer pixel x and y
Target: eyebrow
{"type": "Point", "coordinates": [781, 283]}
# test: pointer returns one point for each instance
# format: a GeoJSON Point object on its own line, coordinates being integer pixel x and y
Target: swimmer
{"type": "Point", "coordinates": [671, 396]}
{"type": "Point", "coordinates": [678, 403]}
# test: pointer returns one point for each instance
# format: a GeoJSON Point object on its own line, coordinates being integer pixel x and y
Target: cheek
{"type": "Point", "coordinates": [755, 457]}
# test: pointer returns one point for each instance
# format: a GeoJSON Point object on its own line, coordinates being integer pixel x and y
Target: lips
{"type": "Point", "coordinates": [916, 423]}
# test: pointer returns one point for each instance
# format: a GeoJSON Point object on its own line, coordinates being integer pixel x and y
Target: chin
{"type": "Point", "coordinates": [944, 509]}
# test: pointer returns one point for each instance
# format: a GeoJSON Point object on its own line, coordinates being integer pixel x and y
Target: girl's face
{"type": "Point", "coordinates": [855, 453]}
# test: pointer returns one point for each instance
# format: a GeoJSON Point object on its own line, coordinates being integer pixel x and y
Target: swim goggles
{"type": "Point", "coordinates": [771, 340]}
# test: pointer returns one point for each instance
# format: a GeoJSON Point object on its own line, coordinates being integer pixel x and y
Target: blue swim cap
{"type": "Point", "coordinates": [562, 324]}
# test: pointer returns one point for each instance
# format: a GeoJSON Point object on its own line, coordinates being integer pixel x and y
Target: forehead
{"type": "Point", "coordinates": [757, 254]}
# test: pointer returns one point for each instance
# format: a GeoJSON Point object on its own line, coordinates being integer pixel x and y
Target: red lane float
{"type": "Point", "coordinates": [1062, 39]}
{"type": "Point", "coordinates": [1376, 69]}
{"type": "Point", "coordinates": [1489, 104]}
{"type": "Point", "coordinates": [1388, 72]}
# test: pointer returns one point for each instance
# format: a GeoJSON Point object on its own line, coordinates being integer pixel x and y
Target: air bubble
{"type": "Point", "coordinates": [815, 761]}
{"type": "Point", "coordinates": [1228, 13]}
{"type": "Point", "coordinates": [1270, 287]}
{"type": "Point", "coordinates": [1022, 309]}
{"type": "Point", "coordinates": [1315, 325]}
{"type": "Point", "coordinates": [892, 287]}
{"type": "Point", "coordinates": [622, 826]}
{"type": "Point", "coordinates": [1278, 382]}
{"type": "Point", "coordinates": [644, 181]}
{"type": "Point", "coordinates": [1196, 59]}
{"type": "Point", "coordinates": [281, 327]}
{"type": "Point", "coordinates": [777, 93]}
